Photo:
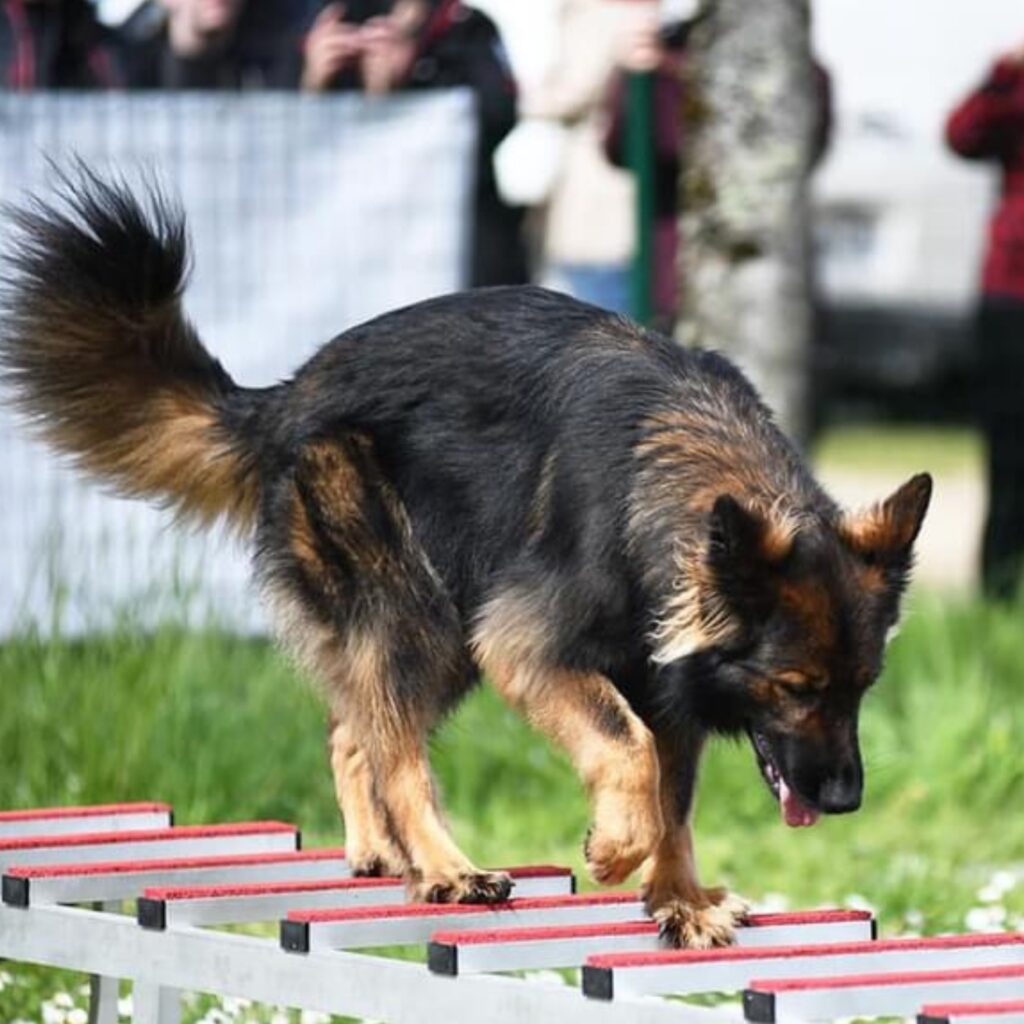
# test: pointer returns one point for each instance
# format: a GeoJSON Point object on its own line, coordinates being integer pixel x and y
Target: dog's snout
{"type": "Point", "coordinates": [841, 793]}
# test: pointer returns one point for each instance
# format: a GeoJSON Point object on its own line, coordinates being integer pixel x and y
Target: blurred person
{"type": "Point", "coordinates": [989, 125]}
{"type": "Point", "coordinates": [427, 44]}
{"type": "Point", "coordinates": [661, 49]}
{"type": "Point", "coordinates": [213, 44]}
{"type": "Point", "coordinates": [340, 41]}
{"type": "Point", "coordinates": [47, 44]}
{"type": "Point", "coordinates": [588, 232]}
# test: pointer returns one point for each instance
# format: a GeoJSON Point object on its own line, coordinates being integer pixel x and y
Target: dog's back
{"type": "Point", "coordinates": [509, 420]}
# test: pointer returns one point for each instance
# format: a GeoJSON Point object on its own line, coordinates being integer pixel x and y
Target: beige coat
{"type": "Point", "coordinates": [590, 217]}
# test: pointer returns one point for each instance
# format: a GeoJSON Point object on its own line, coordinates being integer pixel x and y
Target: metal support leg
{"type": "Point", "coordinates": [103, 992]}
{"type": "Point", "coordinates": [155, 1004]}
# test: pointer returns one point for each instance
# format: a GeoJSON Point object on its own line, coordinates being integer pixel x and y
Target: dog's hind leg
{"type": "Point", "coordinates": [359, 602]}
{"type": "Point", "coordinates": [369, 848]}
{"type": "Point", "coordinates": [688, 914]}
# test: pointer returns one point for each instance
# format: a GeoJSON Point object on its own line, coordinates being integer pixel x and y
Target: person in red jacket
{"type": "Point", "coordinates": [989, 125]}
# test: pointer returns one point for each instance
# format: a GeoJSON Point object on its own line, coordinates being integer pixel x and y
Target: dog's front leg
{"type": "Point", "coordinates": [688, 914]}
{"type": "Point", "coordinates": [611, 749]}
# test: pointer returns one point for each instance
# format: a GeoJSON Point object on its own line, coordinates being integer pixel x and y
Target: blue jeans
{"type": "Point", "coordinates": [604, 285]}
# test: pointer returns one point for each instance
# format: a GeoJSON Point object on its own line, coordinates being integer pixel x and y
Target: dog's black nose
{"type": "Point", "coordinates": [841, 793]}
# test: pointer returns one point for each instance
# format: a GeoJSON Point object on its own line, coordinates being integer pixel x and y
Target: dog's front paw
{"type": "Point", "coordinates": [461, 887]}
{"type": "Point", "coordinates": [619, 843]}
{"type": "Point", "coordinates": [612, 859]}
{"type": "Point", "coordinates": [686, 925]}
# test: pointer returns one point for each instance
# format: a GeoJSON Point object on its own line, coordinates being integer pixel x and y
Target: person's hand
{"type": "Point", "coordinates": [641, 49]}
{"type": "Point", "coordinates": [331, 46]}
{"type": "Point", "coordinates": [388, 53]}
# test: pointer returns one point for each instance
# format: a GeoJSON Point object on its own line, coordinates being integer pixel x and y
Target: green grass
{"type": "Point", "coordinates": [903, 449]}
{"type": "Point", "coordinates": [222, 728]}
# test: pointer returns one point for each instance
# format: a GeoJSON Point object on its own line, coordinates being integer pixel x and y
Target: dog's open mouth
{"type": "Point", "coordinates": [795, 812]}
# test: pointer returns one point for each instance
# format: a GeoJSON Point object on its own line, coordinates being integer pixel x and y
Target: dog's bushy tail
{"type": "Point", "coordinates": [99, 354]}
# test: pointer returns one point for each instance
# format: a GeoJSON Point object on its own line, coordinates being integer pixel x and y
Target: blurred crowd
{"type": "Point", "coordinates": [375, 46]}
{"type": "Point", "coordinates": [553, 200]}
{"type": "Point", "coordinates": [573, 226]}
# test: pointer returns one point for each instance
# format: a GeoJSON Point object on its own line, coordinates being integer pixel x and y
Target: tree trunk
{"type": "Point", "coordinates": [750, 117]}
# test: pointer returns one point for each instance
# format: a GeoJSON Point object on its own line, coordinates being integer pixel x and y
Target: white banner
{"type": "Point", "coordinates": [307, 215]}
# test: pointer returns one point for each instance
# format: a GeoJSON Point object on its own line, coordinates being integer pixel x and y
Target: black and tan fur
{"type": "Point", "coordinates": [504, 482]}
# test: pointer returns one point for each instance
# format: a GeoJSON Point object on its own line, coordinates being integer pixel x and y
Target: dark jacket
{"type": "Point", "coordinates": [264, 52]}
{"type": "Point", "coordinates": [989, 125]}
{"type": "Point", "coordinates": [55, 45]}
{"type": "Point", "coordinates": [462, 47]}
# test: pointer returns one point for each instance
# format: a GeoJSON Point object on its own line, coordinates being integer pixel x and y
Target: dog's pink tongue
{"type": "Point", "coordinates": [795, 812]}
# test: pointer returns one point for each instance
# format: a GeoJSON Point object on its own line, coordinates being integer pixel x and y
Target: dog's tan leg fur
{"type": "Point", "coordinates": [440, 872]}
{"type": "Point", "coordinates": [688, 914]}
{"type": "Point", "coordinates": [611, 749]}
{"type": "Point", "coordinates": [392, 821]}
{"type": "Point", "coordinates": [369, 848]}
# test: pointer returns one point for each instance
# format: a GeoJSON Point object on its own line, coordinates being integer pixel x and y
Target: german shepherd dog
{"type": "Point", "coordinates": [506, 483]}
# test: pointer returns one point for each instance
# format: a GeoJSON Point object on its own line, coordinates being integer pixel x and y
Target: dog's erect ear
{"type": "Point", "coordinates": [730, 585]}
{"type": "Point", "coordinates": [734, 534]}
{"type": "Point", "coordinates": [743, 544]}
{"type": "Point", "coordinates": [887, 530]}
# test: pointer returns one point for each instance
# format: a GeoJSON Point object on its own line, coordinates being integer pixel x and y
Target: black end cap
{"type": "Point", "coordinates": [927, 1018]}
{"type": "Point", "coordinates": [874, 928]}
{"type": "Point", "coordinates": [151, 914]}
{"type": "Point", "coordinates": [170, 818]}
{"type": "Point", "coordinates": [759, 1007]}
{"type": "Point", "coordinates": [443, 958]}
{"type": "Point", "coordinates": [295, 936]}
{"type": "Point", "coordinates": [597, 982]}
{"type": "Point", "coordinates": [15, 891]}
{"type": "Point", "coordinates": [298, 839]}
{"type": "Point", "coordinates": [573, 885]}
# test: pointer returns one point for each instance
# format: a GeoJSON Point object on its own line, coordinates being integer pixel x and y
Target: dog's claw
{"type": "Point", "coordinates": [486, 887]}
{"type": "Point", "coordinates": [730, 902]}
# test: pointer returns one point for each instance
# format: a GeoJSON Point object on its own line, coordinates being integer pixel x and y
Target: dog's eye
{"type": "Point", "coordinates": [799, 683]}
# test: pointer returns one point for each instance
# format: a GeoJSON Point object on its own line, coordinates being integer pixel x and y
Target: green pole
{"type": "Point", "coordinates": [640, 156]}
